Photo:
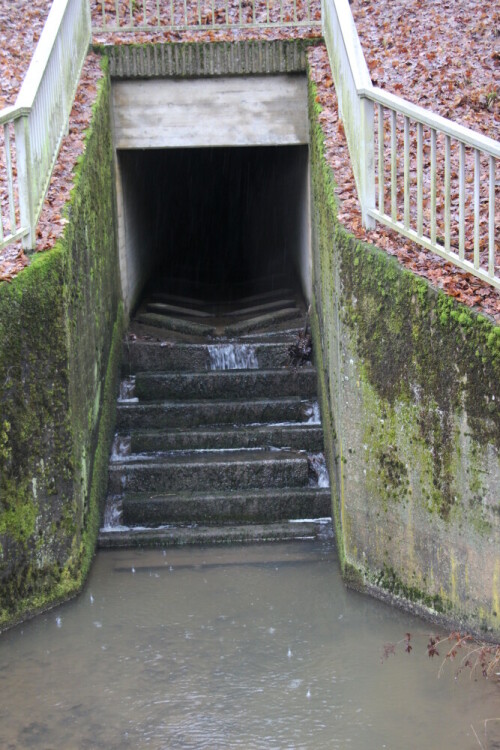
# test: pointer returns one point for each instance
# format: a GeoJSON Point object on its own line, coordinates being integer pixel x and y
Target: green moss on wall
{"type": "Point", "coordinates": [410, 386]}
{"type": "Point", "coordinates": [60, 324]}
{"type": "Point", "coordinates": [199, 59]}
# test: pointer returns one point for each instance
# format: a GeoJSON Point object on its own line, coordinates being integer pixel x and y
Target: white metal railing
{"type": "Point", "coordinates": [429, 179]}
{"type": "Point", "coordinates": [34, 126]}
{"type": "Point", "coordinates": [179, 15]}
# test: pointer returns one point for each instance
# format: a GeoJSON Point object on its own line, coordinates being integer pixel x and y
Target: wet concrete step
{"type": "Point", "coordinates": [180, 325]}
{"type": "Point", "coordinates": [167, 414]}
{"type": "Point", "coordinates": [194, 534]}
{"type": "Point", "coordinates": [219, 471]}
{"type": "Point", "coordinates": [195, 311]}
{"type": "Point", "coordinates": [167, 308]}
{"type": "Point", "coordinates": [263, 506]}
{"type": "Point", "coordinates": [305, 437]}
{"type": "Point", "coordinates": [264, 322]}
{"type": "Point", "coordinates": [263, 307]}
{"type": "Point", "coordinates": [227, 384]}
{"type": "Point", "coordinates": [281, 333]}
{"type": "Point", "coordinates": [221, 304]}
{"type": "Point", "coordinates": [158, 356]}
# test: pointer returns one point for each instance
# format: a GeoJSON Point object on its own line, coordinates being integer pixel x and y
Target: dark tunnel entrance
{"type": "Point", "coordinates": [217, 223]}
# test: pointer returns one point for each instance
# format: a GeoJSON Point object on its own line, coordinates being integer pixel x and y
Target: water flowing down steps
{"type": "Point", "coordinates": [218, 435]}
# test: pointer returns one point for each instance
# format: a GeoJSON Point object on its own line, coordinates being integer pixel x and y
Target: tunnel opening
{"type": "Point", "coordinates": [214, 223]}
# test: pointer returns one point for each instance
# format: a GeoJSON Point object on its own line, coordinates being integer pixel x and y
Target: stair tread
{"type": "Point", "coordinates": [163, 354]}
{"type": "Point", "coordinates": [246, 372]}
{"type": "Point", "coordinates": [197, 495]}
{"type": "Point", "coordinates": [197, 534]}
{"type": "Point", "coordinates": [226, 384]}
{"type": "Point", "coordinates": [216, 402]}
{"type": "Point", "coordinates": [299, 436]}
{"type": "Point", "coordinates": [263, 321]}
{"type": "Point", "coordinates": [213, 457]}
{"type": "Point", "coordinates": [204, 345]}
{"type": "Point", "coordinates": [225, 428]}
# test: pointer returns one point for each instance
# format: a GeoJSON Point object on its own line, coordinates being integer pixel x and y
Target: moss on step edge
{"type": "Point", "coordinates": [409, 392]}
{"type": "Point", "coordinates": [60, 334]}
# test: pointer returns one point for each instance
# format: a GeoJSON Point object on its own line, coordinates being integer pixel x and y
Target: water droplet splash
{"type": "Point", "coordinates": [312, 413]}
{"type": "Point", "coordinates": [318, 473]}
{"type": "Point", "coordinates": [113, 513]}
{"type": "Point", "coordinates": [121, 447]}
{"type": "Point", "coordinates": [232, 357]}
{"type": "Point", "coordinates": [127, 391]}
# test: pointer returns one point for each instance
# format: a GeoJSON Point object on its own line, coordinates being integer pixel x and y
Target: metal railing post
{"type": "Point", "coordinates": [367, 162]}
{"type": "Point", "coordinates": [24, 178]}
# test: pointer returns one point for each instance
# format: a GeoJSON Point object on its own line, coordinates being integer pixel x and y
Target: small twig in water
{"type": "Point", "coordinates": [477, 738]}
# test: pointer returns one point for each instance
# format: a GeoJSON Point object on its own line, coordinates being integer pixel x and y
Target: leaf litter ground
{"type": "Point", "coordinates": [413, 48]}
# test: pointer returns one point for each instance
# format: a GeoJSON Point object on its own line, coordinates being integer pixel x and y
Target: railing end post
{"type": "Point", "coordinates": [367, 162]}
{"type": "Point", "coordinates": [24, 177]}
{"type": "Point", "coordinates": [367, 220]}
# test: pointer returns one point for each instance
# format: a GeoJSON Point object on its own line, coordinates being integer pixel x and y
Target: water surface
{"type": "Point", "coordinates": [257, 647]}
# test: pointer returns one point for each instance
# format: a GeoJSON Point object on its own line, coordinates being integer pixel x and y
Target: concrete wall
{"type": "Point", "coordinates": [206, 59]}
{"type": "Point", "coordinates": [60, 341]}
{"type": "Point", "coordinates": [410, 386]}
{"type": "Point", "coordinates": [221, 111]}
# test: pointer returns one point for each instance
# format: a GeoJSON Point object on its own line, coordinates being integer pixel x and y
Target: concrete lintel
{"type": "Point", "coordinates": [225, 111]}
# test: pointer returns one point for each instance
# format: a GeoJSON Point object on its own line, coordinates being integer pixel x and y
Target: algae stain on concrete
{"type": "Point", "coordinates": [410, 378]}
{"type": "Point", "coordinates": [56, 335]}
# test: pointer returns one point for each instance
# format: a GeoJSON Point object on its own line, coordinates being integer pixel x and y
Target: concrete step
{"type": "Point", "coordinates": [219, 471]}
{"type": "Point", "coordinates": [262, 307]}
{"type": "Point", "coordinates": [193, 534]}
{"type": "Point", "coordinates": [158, 356]}
{"type": "Point", "coordinates": [284, 297]}
{"type": "Point", "coordinates": [233, 311]}
{"type": "Point", "coordinates": [227, 384]}
{"type": "Point", "coordinates": [167, 308]}
{"type": "Point", "coordinates": [264, 322]}
{"type": "Point", "coordinates": [168, 414]}
{"type": "Point", "coordinates": [181, 325]}
{"type": "Point", "coordinates": [286, 331]}
{"type": "Point", "coordinates": [302, 437]}
{"type": "Point", "coordinates": [252, 506]}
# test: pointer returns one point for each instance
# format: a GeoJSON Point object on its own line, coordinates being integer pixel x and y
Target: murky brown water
{"type": "Point", "coordinates": [254, 647]}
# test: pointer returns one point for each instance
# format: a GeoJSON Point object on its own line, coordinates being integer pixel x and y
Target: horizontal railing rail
{"type": "Point", "coordinates": [438, 180]}
{"type": "Point", "coordinates": [428, 178]}
{"type": "Point", "coordinates": [179, 15]}
{"type": "Point", "coordinates": [34, 127]}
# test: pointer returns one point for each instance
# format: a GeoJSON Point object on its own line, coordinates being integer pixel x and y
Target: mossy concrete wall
{"type": "Point", "coordinates": [60, 333]}
{"type": "Point", "coordinates": [410, 384]}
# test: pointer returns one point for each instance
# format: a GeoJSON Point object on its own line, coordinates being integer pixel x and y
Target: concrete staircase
{"type": "Point", "coordinates": [218, 435]}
